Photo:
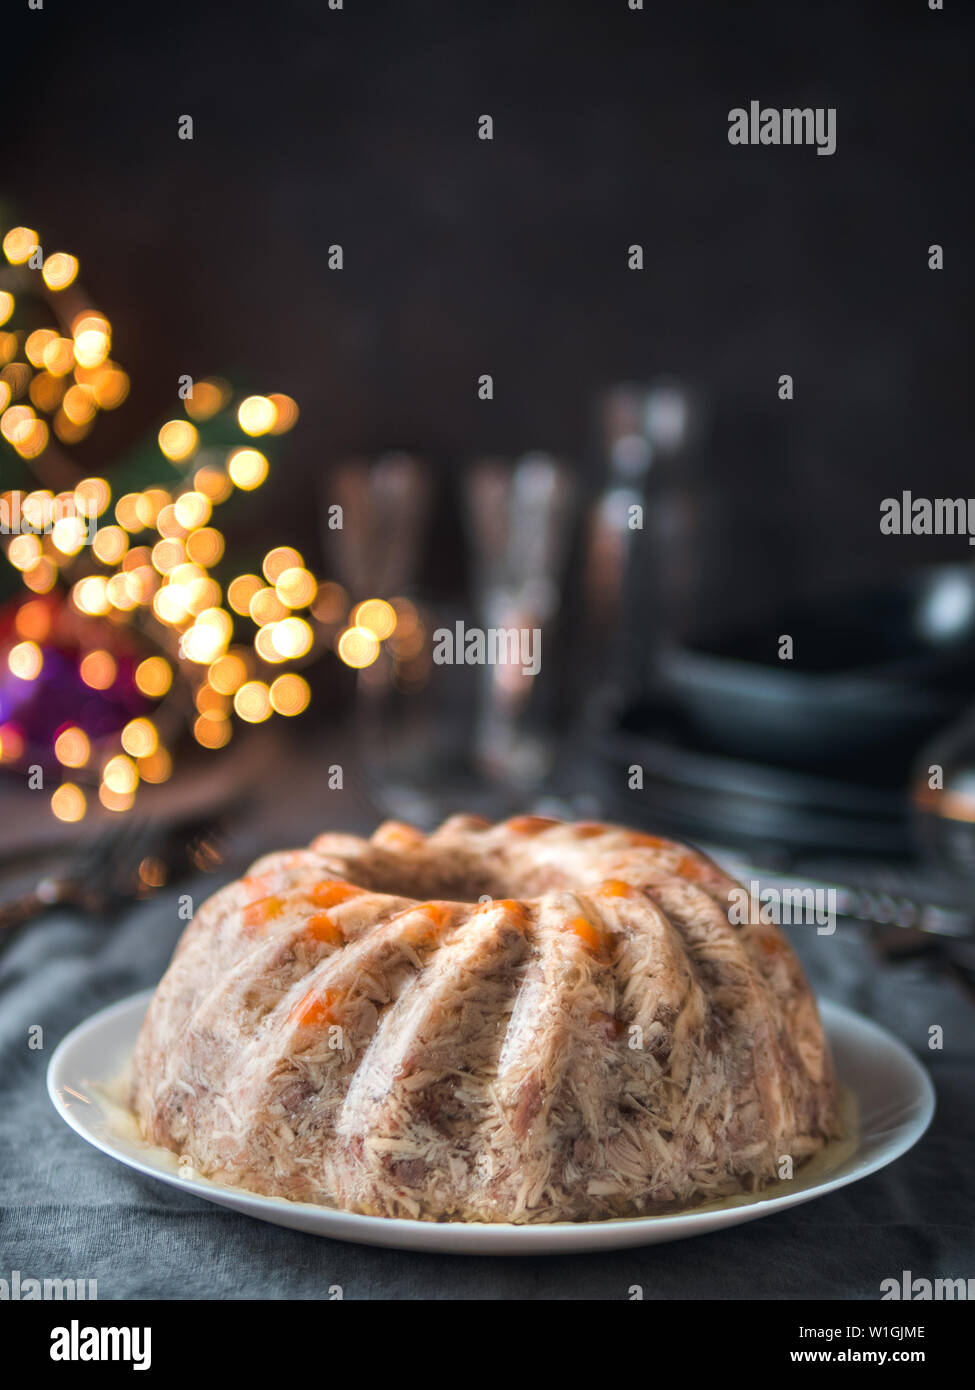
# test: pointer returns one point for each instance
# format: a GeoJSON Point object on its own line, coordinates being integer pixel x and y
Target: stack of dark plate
{"type": "Point", "coordinates": [808, 754]}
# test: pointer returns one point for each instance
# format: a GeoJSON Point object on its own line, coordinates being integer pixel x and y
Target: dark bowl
{"type": "Point", "coordinates": [873, 675]}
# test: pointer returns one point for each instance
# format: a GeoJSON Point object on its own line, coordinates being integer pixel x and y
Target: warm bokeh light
{"type": "Point", "coordinates": [67, 432]}
{"type": "Point", "coordinates": [203, 643]}
{"type": "Point", "coordinates": [358, 647]}
{"type": "Point", "coordinates": [192, 510]}
{"type": "Point", "coordinates": [126, 512]}
{"type": "Point", "coordinates": [331, 603]}
{"type": "Point", "coordinates": [150, 503]}
{"type": "Point", "coordinates": [205, 546]}
{"type": "Point", "coordinates": [154, 676]}
{"type": "Point", "coordinates": [121, 593]}
{"type": "Point", "coordinates": [217, 619]}
{"type": "Point", "coordinates": [68, 802]}
{"type": "Point", "coordinates": [24, 551]}
{"type": "Point", "coordinates": [90, 596]}
{"type": "Point", "coordinates": [42, 577]}
{"type": "Point", "coordinates": [264, 646]}
{"type": "Point", "coordinates": [211, 702]}
{"type": "Point", "coordinates": [91, 345]}
{"type": "Point", "coordinates": [142, 581]}
{"type": "Point", "coordinates": [36, 342]}
{"type": "Point", "coordinates": [169, 605]}
{"type": "Point", "coordinates": [179, 440]}
{"type": "Point", "coordinates": [296, 587]}
{"type": "Point", "coordinates": [110, 387]}
{"type": "Point", "coordinates": [253, 702]}
{"type": "Point", "coordinates": [200, 594]}
{"type": "Point", "coordinates": [53, 382]}
{"type": "Point", "coordinates": [285, 412]}
{"type": "Point", "coordinates": [247, 468]}
{"type": "Point", "coordinates": [186, 572]}
{"type": "Point", "coordinates": [153, 871]}
{"type": "Point", "coordinates": [138, 556]}
{"type": "Point", "coordinates": [16, 377]}
{"type": "Point", "coordinates": [377, 615]}
{"type": "Point", "coordinates": [265, 607]}
{"type": "Point", "coordinates": [30, 438]}
{"type": "Point", "coordinates": [227, 674]}
{"type": "Point", "coordinates": [120, 775]}
{"type": "Point", "coordinates": [13, 418]}
{"type": "Point", "coordinates": [290, 694]}
{"type": "Point", "coordinates": [97, 669]}
{"type": "Point", "coordinates": [166, 555]}
{"type": "Point", "coordinates": [281, 558]}
{"type": "Point", "coordinates": [88, 319]}
{"type": "Point", "coordinates": [72, 747]}
{"type": "Point", "coordinates": [37, 509]}
{"type": "Point", "coordinates": [139, 738]}
{"type": "Point", "coordinates": [292, 638]}
{"type": "Point", "coordinates": [207, 399]}
{"type": "Point", "coordinates": [213, 483]}
{"type": "Point", "coordinates": [157, 767]}
{"type": "Point", "coordinates": [79, 404]}
{"type": "Point", "coordinates": [212, 733]}
{"type": "Point", "coordinates": [69, 534]}
{"type": "Point", "coordinates": [110, 544]}
{"type": "Point", "coordinates": [33, 619]}
{"type": "Point", "coordinates": [168, 523]}
{"type": "Point", "coordinates": [140, 585]}
{"type": "Point", "coordinates": [11, 743]}
{"type": "Point", "coordinates": [92, 496]}
{"type": "Point", "coordinates": [19, 245]}
{"type": "Point", "coordinates": [256, 415]}
{"type": "Point", "coordinates": [59, 270]}
{"type": "Point", "coordinates": [26, 660]}
{"type": "Point", "coordinates": [59, 356]}
{"type": "Point", "coordinates": [114, 800]}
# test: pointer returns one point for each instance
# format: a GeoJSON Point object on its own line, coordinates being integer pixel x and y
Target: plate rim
{"type": "Point", "coordinates": [490, 1238]}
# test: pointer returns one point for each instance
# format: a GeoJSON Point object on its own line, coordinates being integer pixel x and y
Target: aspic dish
{"type": "Point", "coordinates": [529, 1022]}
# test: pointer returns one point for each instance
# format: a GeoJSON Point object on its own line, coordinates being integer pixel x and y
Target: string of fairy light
{"type": "Point", "coordinates": [66, 373]}
{"type": "Point", "coordinates": [147, 557]}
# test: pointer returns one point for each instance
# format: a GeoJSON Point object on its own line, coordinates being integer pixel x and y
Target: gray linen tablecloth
{"type": "Point", "coordinates": [69, 1211]}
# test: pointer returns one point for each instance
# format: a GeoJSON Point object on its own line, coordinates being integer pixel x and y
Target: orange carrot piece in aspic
{"type": "Point", "coordinates": [427, 920]}
{"type": "Point", "coordinates": [689, 867]}
{"type": "Point", "coordinates": [514, 909]}
{"type": "Point", "coordinates": [331, 891]}
{"type": "Point", "coordinates": [257, 913]}
{"type": "Point", "coordinates": [395, 834]}
{"type": "Point", "coordinates": [589, 934]}
{"type": "Point", "coordinates": [323, 927]}
{"type": "Point", "coordinates": [511, 906]}
{"type": "Point", "coordinates": [530, 825]}
{"type": "Point", "coordinates": [315, 1008]}
{"type": "Point", "coordinates": [617, 888]}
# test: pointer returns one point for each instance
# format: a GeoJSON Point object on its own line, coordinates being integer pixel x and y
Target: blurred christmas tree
{"type": "Point", "coordinates": [125, 619]}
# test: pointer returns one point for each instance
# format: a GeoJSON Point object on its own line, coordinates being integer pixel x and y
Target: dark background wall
{"type": "Point", "coordinates": [462, 257]}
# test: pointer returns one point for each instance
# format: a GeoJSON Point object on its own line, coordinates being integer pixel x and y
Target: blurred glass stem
{"type": "Point", "coordinates": [519, 521]}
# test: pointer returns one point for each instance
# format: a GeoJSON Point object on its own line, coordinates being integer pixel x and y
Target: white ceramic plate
{"type": "Point", "coordinates": [893, 1094]}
